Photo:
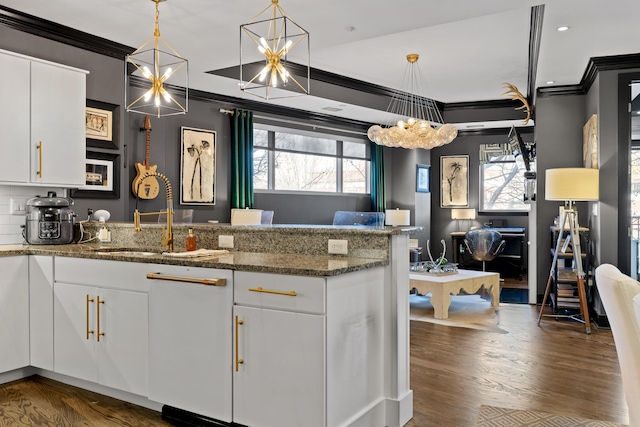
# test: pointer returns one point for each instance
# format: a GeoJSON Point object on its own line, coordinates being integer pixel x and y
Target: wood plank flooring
{"type": "Point", "coordinates": [554, 368]}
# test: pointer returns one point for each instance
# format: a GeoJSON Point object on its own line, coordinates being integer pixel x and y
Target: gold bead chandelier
{"type": "Point", "coordinates": [418, 114]}
{"type": "Point", "coordinates": [147, 71]}
{"type": "Point", "coordinates": [275, 37]}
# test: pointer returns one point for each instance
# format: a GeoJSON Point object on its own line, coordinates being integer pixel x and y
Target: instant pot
{"type": "Point", "coordinates": [50, 220]}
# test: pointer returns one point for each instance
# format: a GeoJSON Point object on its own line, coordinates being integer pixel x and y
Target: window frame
{"type": "Point", "coordinates": [339, 156]}
{"type": "Point", "coordinates": [505, 212]}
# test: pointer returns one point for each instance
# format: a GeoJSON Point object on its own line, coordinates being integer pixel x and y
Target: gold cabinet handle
{"type": "Point", "coordinates": [98, 318]}
{"type": "Point", "coordinates": [238, 360]}
{"type": "Point", "coordinates": [39, 148]}
{"type": "Point", "coordinates": [270, 291]}
{"type": "Point", "coordinates": [87, 318]}
{"type": "Point", "coordinates": [210, 282]}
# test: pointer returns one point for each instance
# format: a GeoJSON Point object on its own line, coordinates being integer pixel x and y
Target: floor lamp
{"type": "Point", "coordinates": [570, 185]}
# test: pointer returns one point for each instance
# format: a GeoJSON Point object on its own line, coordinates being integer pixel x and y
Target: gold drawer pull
{"type": "Point", "coordinates": [39, 148]}
{"type": "Point", "coordinates": [238, 360]}
{"type": "Point", "coordinates": [209, 282]}
{"type": "Point", "coordinates": [270, 291]}
{"type": "Point", "coordinates": [98, 318]}
{"type": "Point", "coordinates": [89, 331]}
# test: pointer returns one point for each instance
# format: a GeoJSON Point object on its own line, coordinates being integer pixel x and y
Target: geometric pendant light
{"type": "Point", "coordinates": [268, 44]}
{"type": "Point", "coordinates": [156, 77]}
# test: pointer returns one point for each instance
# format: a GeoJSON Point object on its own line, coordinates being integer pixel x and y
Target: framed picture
{"type": "Point", "coordinates": [101, 124]}
{"type": "Point", "coordinates": [422, 179]}
{"type": "Point", "coordinates": [102, 177]}
{"type": "Point", "coordinates": [197, 167]}
{"type": "Point", "coordinates": [454, 181]}
{"type": "Point", "coordinates": [590, 143]}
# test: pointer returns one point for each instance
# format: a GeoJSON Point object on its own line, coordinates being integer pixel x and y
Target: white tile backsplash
{"type": "Point", "coordinates": [10, 225]}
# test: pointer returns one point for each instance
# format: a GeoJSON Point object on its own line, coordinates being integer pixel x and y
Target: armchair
{"type": "Point", "coordinates": [620, 296]}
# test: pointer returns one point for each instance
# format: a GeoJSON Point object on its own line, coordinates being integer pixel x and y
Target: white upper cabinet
{"type": "Point", "coordinates": [42, 120]}
{"type": "Point", "coordinates": [14, 119]}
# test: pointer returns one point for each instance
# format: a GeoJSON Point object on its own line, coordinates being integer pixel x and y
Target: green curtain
{"type": "Point", "coordinates": [242, 159]}
{"type": "Point", "coordinates": [378, 194]}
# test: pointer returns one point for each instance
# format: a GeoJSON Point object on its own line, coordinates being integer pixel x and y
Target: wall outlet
{"type": "Point", "coordinates": [17, 207]}
{"type": "Point", "coordinates": [225, 242]}
{"type": "Point", "coordinates": [338, 247]}
{"type": "Point", "coordinates": [104, 235]}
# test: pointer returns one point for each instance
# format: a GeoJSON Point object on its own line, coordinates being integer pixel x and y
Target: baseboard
{"type": "Point", "coordinates": [370, 416]}
{"type": "Point", "coordinates": [399, 412]}
{"type": "Point", "coordinates": [189, 419]}
{"type": "Point", "coordinates": [17, 374]}
{"type": "Point", "coordinates": [97, 388]}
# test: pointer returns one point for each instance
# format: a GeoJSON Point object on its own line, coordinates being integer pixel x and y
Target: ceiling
{"type": "Point", "coordinates": [467, 48]}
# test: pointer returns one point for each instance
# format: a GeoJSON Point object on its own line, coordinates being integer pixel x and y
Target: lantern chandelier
{"type": "Point", "coordinates": [275, 37]}
{"type": "Point", "coordinates": [147, 71]}
{"type": "Point", "coordinates": [418, 114]}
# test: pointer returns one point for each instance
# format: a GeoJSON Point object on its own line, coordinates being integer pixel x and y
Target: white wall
{"type": "Point", "coordinates": [10, 230]}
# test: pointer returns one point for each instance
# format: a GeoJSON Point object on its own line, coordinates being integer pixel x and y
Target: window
{"type": "Point", "coordinates": [308, 162]}
{"type": "Point", "coordinates": [502, 184]}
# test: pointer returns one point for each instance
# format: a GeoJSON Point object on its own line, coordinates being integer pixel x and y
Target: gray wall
{"type": "Point", "coordinates": [441, 223]}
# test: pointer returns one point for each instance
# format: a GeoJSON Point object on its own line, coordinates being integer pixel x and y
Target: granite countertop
{"type": "Point", "coordinates": [306, 265]}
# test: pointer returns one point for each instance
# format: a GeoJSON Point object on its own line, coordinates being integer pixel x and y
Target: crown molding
{"type": "Point", "coordinates": [595, 66]}
{"type": "Point", "coordinates": [53, 31]}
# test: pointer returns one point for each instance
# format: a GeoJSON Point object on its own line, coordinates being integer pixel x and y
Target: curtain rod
{"type": "Point", "coordinates": [298, 123]}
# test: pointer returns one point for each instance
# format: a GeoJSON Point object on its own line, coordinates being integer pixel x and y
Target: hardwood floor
{"type": "Point", "coordinates": [555, 368]}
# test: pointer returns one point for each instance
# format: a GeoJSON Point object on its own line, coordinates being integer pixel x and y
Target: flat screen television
{"type": "Point", "coordinates": [518, 147]}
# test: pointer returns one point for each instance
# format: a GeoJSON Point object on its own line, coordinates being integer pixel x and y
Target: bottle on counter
{"type": "Point", "coordinates": [191, 241]}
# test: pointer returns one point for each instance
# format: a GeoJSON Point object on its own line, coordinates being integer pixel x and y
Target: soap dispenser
{"type": "Point", "coordinates": [191, 241]}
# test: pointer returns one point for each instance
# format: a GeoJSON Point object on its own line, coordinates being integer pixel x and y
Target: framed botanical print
{"type": "Point", "coordinates": [454, 181]}
{"type": "Point", "coordinates": [197, 167]}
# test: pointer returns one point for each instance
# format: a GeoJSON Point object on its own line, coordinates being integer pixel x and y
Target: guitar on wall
{"type": "Point", "coordinates": [150, 187]}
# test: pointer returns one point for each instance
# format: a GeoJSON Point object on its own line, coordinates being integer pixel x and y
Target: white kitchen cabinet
{"type": "Point", "coordinates": [42, 122]}
{"type": "Point", "coordinates": [14, 119]}
{"type": "Point", "coordinates": [190, 340]}
{"type": "Point", "coordinates": [14, 313]}
{"type": "Point", "coordinates": [101, 323]}
{"type": "Point", "coordinates": [308, 350]}
{"type": "Point", "coordinates": [41, 311]}
{"type": "Point", "coordinates": [280, 381]}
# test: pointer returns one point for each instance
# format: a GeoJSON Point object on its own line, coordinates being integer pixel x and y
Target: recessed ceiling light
{"type": "Point", "coordinates": [550, 82]}
{"type": "Point", "coordinates": [563, 28]}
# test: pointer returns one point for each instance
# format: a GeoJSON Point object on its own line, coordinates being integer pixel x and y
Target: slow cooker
{"type": "Point", "coordinates": [50, 220]}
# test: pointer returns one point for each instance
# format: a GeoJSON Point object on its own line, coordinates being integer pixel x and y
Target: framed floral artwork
{"type": "Point", "coordinates": [454, 181]}
{"type": "Point", "coordinates": [197, 167]}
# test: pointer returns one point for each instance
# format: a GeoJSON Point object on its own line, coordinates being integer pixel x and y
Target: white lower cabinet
{"type": "Point", "coordinates": [308, 351]}
{"type": "Point", "coordinates": [14, 313]}
{"type": "Point", "coordinates": [280, 380]}
{"type": "Point", "coordinates": [101, 334]}
{"type": "Point", "coordinates": [41, 311]}
{"type": "Point", "coordinates": [190, 339]}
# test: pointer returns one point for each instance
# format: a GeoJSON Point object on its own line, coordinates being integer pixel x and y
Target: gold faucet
{"type": "Point", "coordinates": [167, 235]}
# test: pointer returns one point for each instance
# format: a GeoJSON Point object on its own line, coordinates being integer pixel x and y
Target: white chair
{"type": "Point", "coordinates": [620, 296]}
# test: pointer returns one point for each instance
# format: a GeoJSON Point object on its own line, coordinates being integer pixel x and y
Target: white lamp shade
{"type": "Point", "coordinates": [572, 184]}
{"type": "Point", "coordinates": [463, 214]}
{"type": "Point", "coordinates": [246, 216]}
{"type": "Point", "coordinates": [397, 217]}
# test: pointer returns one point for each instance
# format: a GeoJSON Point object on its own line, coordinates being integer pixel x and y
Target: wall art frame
{"type": "Point", "coordinates": [197, 166]}
{"type": "Point", "coordinates": [454, 181]}
{"type": "Point", "coordinates": [590, 143]}
{"type": "Point", "coordinates": [102, 124]}
{"type": "Point", "coordinates": [423, 184]}
{"type": "Point", "coordinates": [102, 177]}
